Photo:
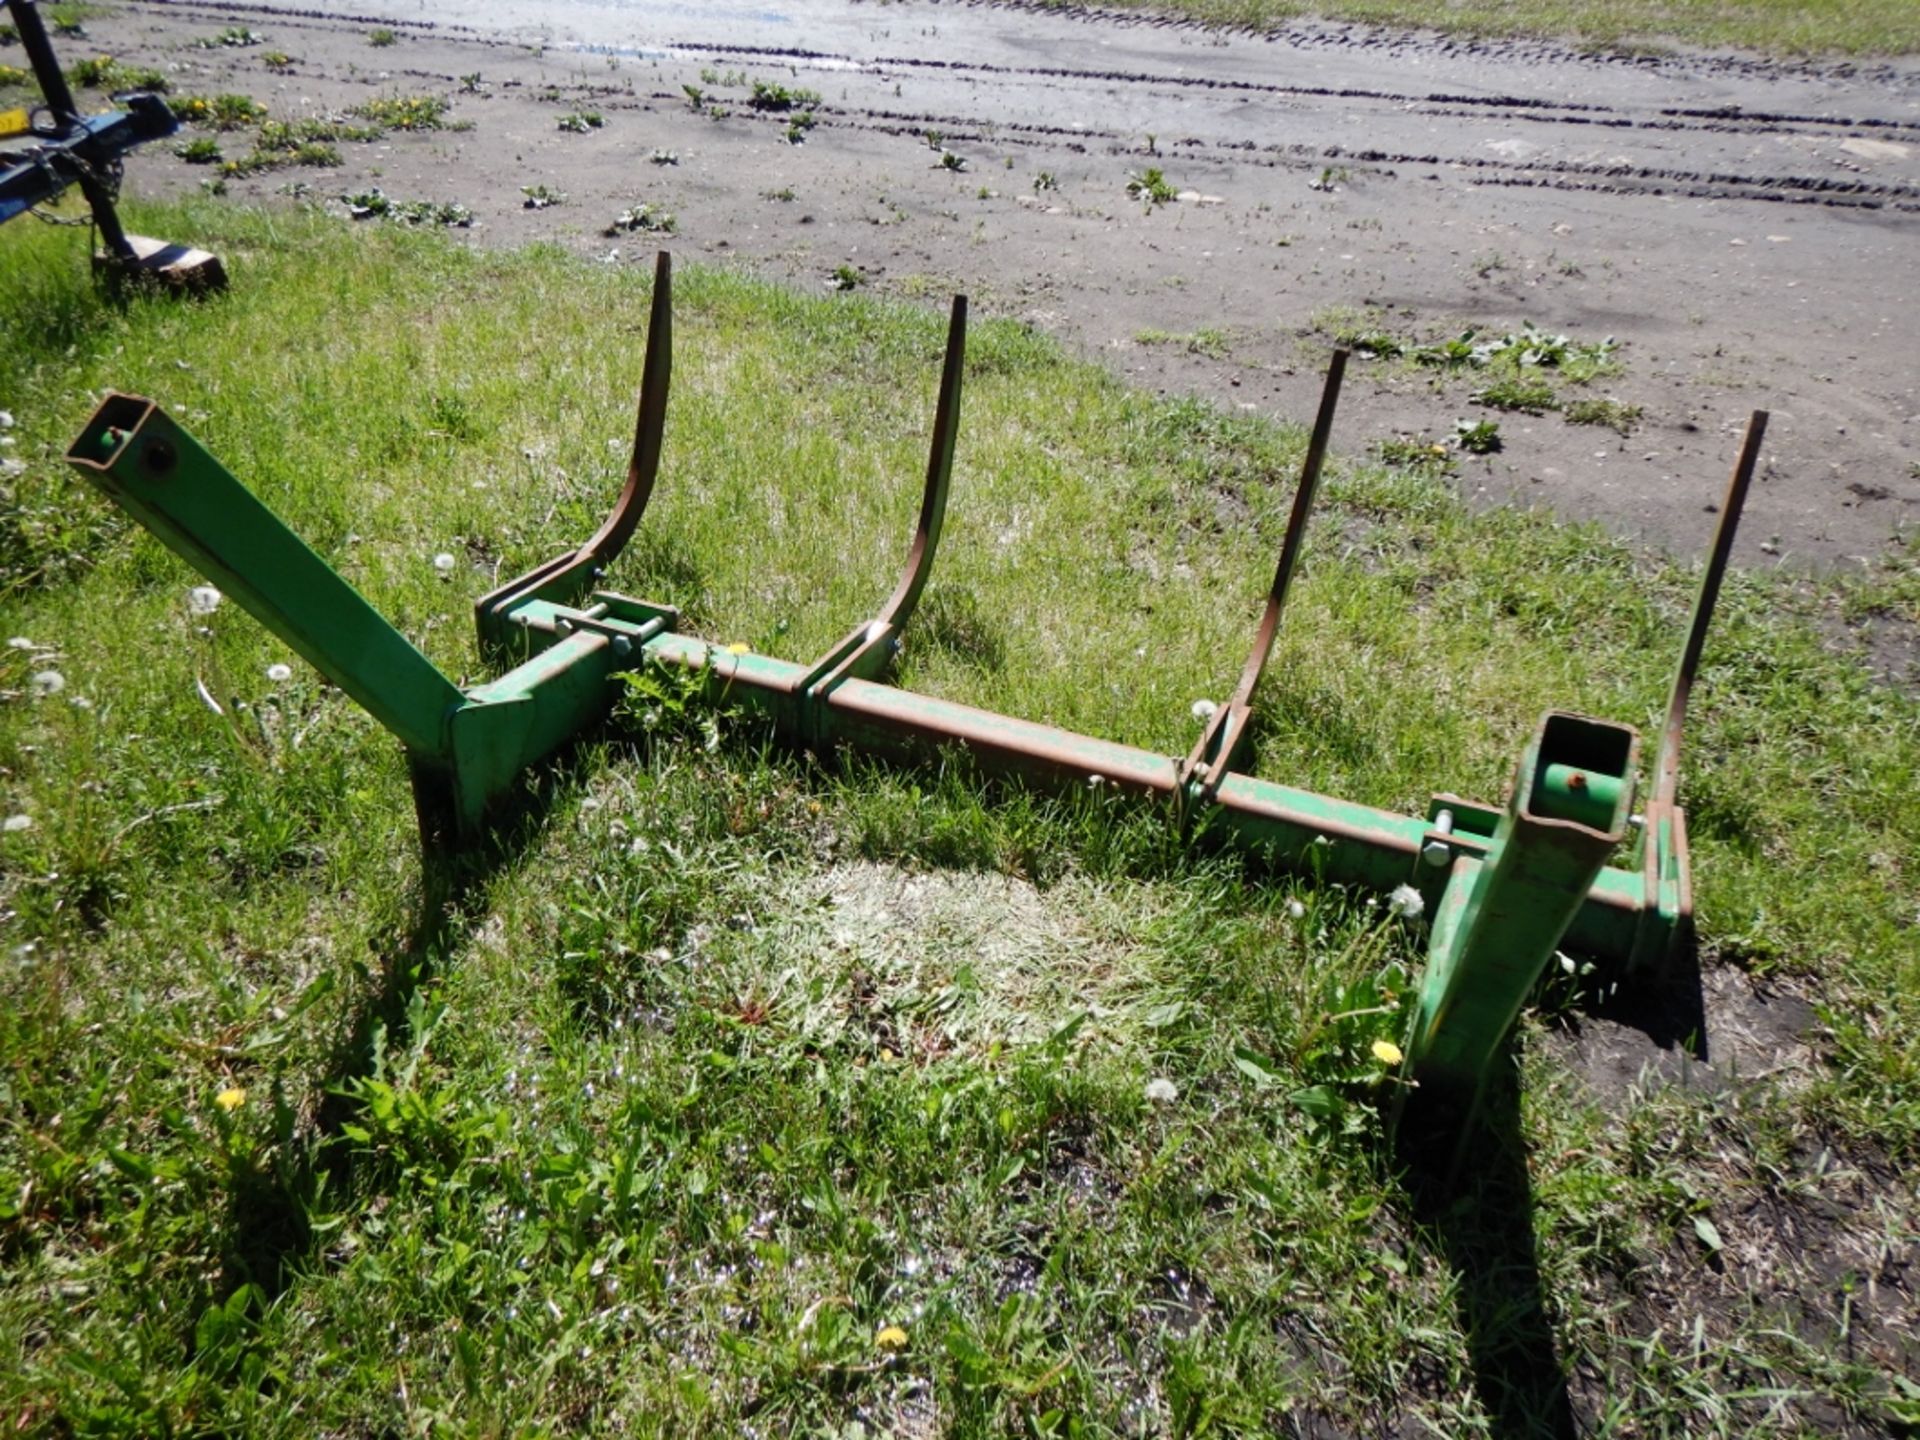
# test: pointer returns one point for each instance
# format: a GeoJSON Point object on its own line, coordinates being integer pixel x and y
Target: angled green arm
{"type": "Point", "coordinates": [135, 453]}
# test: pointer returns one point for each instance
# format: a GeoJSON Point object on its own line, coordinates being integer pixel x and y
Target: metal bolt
{"type": "Point", "coordinates": [622, 645]}
{"type": "Point", "coordinates": [565, 627]}
{"type": "Point", "coordinates": [1437, 852]}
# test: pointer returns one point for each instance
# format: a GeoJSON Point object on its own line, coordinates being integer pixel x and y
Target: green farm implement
{"type": "Point", "coordinates": [1507, 886]}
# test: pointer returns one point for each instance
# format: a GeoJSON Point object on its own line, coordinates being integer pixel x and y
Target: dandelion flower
{"type": "Point", "coordinates": [1204, 710]}
{"type": "Point", "coordinates": [443, 562]}
{"type": "Point", "coordinates": [279, 674]}
{"type": "Point", "coordinates": [203, 599]}
{"type": "Point", "coordinates": [891, 1337]}
{"type": "Point", "coordinates": [1162, 1091]}
{"type": "Point", "coordinates": [1406, 902]}
{"type": "Point", "coordinates": [49, 682]}
{"type": "Point", "coordinates": [1387, 1053]}
{"type": "Point", "coordinates": [16, 823]}
{"type": "Point", "coordinates": [738, 648]}
{"type": "Point", "coordinates": [231, 1099]}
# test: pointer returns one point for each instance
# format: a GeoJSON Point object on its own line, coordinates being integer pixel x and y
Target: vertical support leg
{"type": "Point", "coordinates": [1501, 918]}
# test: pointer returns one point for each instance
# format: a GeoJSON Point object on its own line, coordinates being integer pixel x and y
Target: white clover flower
{"type": "Point", "coordinates": [443, 562]}
{"type": "Point", "coordinates": [279, 674]}
{"type": "Point", "coordinates": [1406, 902]}
{"type": "Point", "coordinates": [16, 823]}
{"type": "Point", "coordinates": [1162, 1091]}
{"type": "Point", "coordinates": [49, 682]}
{"type": "Point", "coordinates": [203, 599]}
{"type": "Point", "coordinates": [1204, 710]}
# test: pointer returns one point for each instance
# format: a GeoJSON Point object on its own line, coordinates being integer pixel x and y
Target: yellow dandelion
{"type": "Point", "coordinates": [891, 1337]}
{"type": "Point", "coordinates": [231, 1099]}
{"type": "Point", "coordinates": [738, 649]}
{"type": "Point", "coordinates": [1387, 1053]}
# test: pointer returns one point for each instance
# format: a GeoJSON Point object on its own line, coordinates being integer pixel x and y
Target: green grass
{"type": "Point", "coordinates": [1209, 343]}
{"type": "Point", "coordinates": [1779, 27]}
{"type": "Point", "coordinates": [732, 1059]}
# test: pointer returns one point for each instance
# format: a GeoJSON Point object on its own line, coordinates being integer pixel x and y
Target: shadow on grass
{"type": "Point", "coordinates": [1465, 1175]}
{"type": "Point", "coordinates": [1470, 1193]}
{"type": "Point", "coordinates": [271, 1210]}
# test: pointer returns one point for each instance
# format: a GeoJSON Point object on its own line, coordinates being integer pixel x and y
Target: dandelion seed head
{"type": "Point", "coordinates": [1162, 1091]}
{"type": "Point", "coordinates": [16, 823]}
{"type": "Point", "coordinates": [1406, 902]}
{"type": "Point", "coordinates": [1295, 910]}
{"type": "Point", "coordinates": [443, 562]}
{"type": "Point", "coordinates": [20, 642]}
{"type": "Point", "coordinates": [203, 599]}
{"type": "Point", "coordinates": [48, 682]}
{"type": "Point", "coordinates": [1204, 710]}
{"type": "Point", "coordinates": [279, 674]}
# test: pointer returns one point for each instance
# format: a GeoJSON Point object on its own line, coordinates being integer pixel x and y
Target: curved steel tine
{"type": "Point", "coordinates": [933, 499]}
{"type": "Point", "coordinates": [649, 425]}
{"type": "Point", "coordinates": [867, 649]}
{"type": "Point", "coordinates": [1214, 754]}
{"type": "Point", "coordinates": [564, 577]}
{"type": "Point", "coordinates": [1666, 767]}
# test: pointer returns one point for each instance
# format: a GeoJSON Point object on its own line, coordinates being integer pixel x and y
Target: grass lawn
{"type": "Point", "coordinates": [743, 1092]}
{"type": "Point", "coordinates": [1777, 27]}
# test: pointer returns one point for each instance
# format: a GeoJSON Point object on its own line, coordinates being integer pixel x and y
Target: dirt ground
{"type": "Point", "coordinates": [1749, 232]}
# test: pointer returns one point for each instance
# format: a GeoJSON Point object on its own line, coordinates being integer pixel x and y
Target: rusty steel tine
{"type": "Point", "coordinates": [566, 576]}
{"type": "Point", "coordinates": [649, 426]}
{"type": "Point", "coordinates": [865, 652]}
{"type": "Point", "coordinates": [933, 499]}
{"type": "Point", "coordinates": [1215, 750]}
{"type": "Point", "coordinates": [1666, 774]}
